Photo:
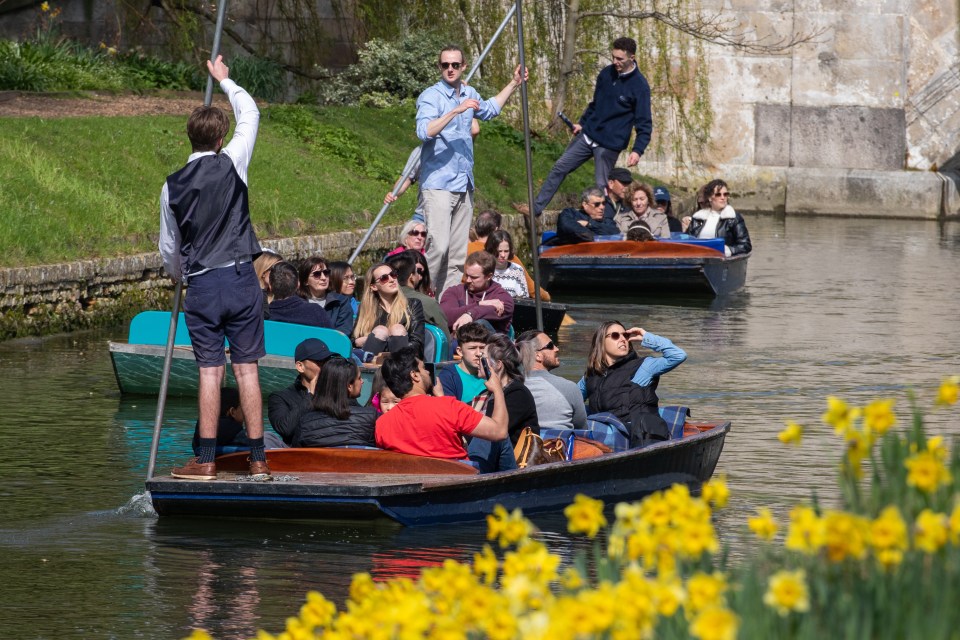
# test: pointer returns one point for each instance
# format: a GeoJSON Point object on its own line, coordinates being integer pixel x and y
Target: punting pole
{"type": "Point", "coordinates": [532, 218]}
{"type": "Point", "coordinates": [411, 163]}
{"type": "Point", "coordinates": [178, 291]}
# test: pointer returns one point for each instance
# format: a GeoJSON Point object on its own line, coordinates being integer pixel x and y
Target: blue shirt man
{"type": "Point", "coordinates": [444, 115]}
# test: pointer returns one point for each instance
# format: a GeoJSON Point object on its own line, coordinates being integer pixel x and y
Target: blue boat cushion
{"type": "Point", "coordinates": [675, 417]}
{"type": "Point", "coordinates": [607, 429]}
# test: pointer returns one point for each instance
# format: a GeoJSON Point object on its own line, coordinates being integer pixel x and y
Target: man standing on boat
{"type": "Point", "coordinates": [207, 240]}
{"type": "Point", "coordinates": [445, 112]}
{"type": "Point", "coordinates": [621, 102]}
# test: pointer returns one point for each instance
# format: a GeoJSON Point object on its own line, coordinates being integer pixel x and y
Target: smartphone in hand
{"type": "Point", "coordinates": [485, 368]}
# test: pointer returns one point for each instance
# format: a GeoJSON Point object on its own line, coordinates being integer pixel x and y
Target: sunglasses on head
{"type": "Point", "coordinates": [386, 277]}
{"type": "Point", "coordinates": [447, 65]}
{"type": "Point", "coordinates": [549, 346]}
{"type": "Point", "coordinates": [325, 273]}
{"type": "Point", "coordinates": [422, 234]}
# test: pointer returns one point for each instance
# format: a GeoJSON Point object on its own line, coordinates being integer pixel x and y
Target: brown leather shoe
{"type": "Point", "coordinates": [260, 471]}
{"type": "Point", "coordinates": [522, 207]}
{"type": "Point", "coordinates": [194, 470]}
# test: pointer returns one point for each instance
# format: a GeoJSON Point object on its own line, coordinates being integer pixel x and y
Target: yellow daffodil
{"type": "Point", "coordinates": [44, 7]}
{"type": "Point", "coordinates": [485, 564]}
{"type": "Point", "coordinates": [806, 531]}
{"type": "Point", "coordinates": [787, 591]}
{"type": "Point", "coordinates": [949, 391]}
{"type": "Point", "coordinates": [361, 586]}
{"type": "Point", "coordinates": [763, 525]}
{"type": "Point", "coordinates": [705, 590]}
{"type": "Point", "coordinates": [845, 535]}
{"type": "Point", "coordinates": [571, 579]}
{"type": "Point", "coordinates": [888, 537]}
{"type": "Point", "coordinates": [792, 434]}
{"type": "Point", "coordinates": [715, 623]}
{"type": "Point", "coordinates": [317, 611]}
{"type": "Point", "coordinates": [839, 415]}
{"type": "Point", "coordinates": [930, 531]}
{"type": "Point", "coordinates": [508, 528]}
{"type": "Point", "coordinates": [878, 416]}
{"type": "Point", "coordinates": [715, 492]}
{"type": "Point", "coordinates": [926, 469]}
{"type": "Point", "coordinates": [585, 516]}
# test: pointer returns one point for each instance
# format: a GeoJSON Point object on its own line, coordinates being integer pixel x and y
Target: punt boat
{"type": "Point", "coordinates": [371, 484]}
{"type": "Point", "coordinates": [682, 266]}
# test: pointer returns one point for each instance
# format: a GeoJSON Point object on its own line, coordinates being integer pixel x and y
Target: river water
{"type": "Point", "coordinates": [857, 308]}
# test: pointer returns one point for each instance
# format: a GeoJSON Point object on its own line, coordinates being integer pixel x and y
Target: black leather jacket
{"type": "Point", "coordinates": [319, 429]}
{"type": "Point", "coordinates": [732, 229]}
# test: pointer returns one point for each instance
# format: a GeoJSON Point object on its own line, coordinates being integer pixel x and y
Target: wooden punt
{"type": "Point", "coordinates": [631, 268]}
{"type": "Point", "coordinates": [525, 315]}
{"type": "Point", "coordinates": [369, 484]}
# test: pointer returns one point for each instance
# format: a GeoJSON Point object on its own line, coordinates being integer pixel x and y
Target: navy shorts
{"type": "Point", "coordinates": [225, 303]}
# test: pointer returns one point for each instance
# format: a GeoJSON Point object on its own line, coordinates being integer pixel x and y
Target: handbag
{"type": "Point", "coordinates": [530, 450]}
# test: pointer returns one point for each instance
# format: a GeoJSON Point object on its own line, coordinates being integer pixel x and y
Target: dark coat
{"type": "Point", "coordinates": [635, 405]}
{"type": "Point", "coordinates": [570, 231]}
{"type": "Point", "coordinates": [340, 311]}
{"type": "Point", "coordinates": [298, 311]}
{"type": "Point", "coordinates": [319, 429]}
{"type": "Point", "coordinates": [731, 228]}
{"type": "Point", "coordinates": [286, 406]}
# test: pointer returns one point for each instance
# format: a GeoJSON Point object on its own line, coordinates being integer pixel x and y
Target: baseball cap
{"type": "Point", "coordinates": [660, 194]}
{"type": "Point", "coordinates": [621, 175]}
{"type": "Point", "coordinates": [311, 349]}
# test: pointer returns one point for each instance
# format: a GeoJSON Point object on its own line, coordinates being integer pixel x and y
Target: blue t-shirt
{"type": "Point", "coordinates": [472, 385]}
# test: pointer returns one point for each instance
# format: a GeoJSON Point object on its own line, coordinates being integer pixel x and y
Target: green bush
{"type": "Point", "coordinates": [401, 69]}
{"type": "Point", "coordinates": [260, 77]}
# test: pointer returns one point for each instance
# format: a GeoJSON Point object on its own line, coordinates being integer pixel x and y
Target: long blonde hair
{"type": "Point", "coordinates": [370, 307]}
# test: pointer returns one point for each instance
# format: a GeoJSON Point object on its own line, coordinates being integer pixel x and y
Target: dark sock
{"type": "Point", "coordinates": [206, 450]}
{"type": "Point", "coordinates": [257, 453]}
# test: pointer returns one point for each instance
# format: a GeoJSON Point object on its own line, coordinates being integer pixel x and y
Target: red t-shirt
{"type": "Point", "coordinates": [426, 425]}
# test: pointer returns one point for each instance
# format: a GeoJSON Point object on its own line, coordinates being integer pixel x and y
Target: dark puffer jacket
{"type": "Point", "coordinates": [635, 405]}
{"type": "Point", "coordinates": [319, 429]}
{"type": "Point", "coordinates": [731, 228]}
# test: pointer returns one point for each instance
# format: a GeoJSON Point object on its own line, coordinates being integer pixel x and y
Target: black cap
{"type": "Point", "coordinates": [621, 175]}
{"type": "Point", "coordinates": [311, 349]}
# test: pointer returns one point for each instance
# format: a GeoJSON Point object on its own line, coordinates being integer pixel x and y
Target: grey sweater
{"type": "Point", "coordinates": [559, 401]}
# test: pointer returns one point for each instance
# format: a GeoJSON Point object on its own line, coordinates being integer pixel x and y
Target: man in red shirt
{"type": "Point", "coordinates": [426, 425]}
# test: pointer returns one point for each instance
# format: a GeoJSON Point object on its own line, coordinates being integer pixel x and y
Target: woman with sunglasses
{"type": "Point", "coordinates": [315, 288]}
{"type": "Point", "coordinates": [387, 320]}
{"type": "Point", "coordinates": [718, 220]}
{"type": "Point", "coordinates": [344, 281]}
{"type": "Point", "coordinates": [413, 235]}
{"type": "Point", "coordinates": [336, 420]}
{"type": "Point", "coordinates": [619, 381]}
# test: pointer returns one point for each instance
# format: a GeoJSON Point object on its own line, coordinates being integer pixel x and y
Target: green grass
{"type": "Point", "coordinates": [76, 188]}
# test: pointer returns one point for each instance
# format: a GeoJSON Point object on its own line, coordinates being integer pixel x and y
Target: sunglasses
{"type": "Point", "coordinates": [320, 273]}
{"type": "Point", "coordinates": [596, 204]}
{"type": "Point", "coordinates": [447, 65]}
{"type": "Point", "coordinates": [386, 277]}
{"type": "Point", "coordinates": [422, 234]}
{"type": "Point", "coordinates": [722, 194]}
{"type": "Point", "coordinates": [548, 347]}
{"type": "Point", "coordinates": [616, 335]}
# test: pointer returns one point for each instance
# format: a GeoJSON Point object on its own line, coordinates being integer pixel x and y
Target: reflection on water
{"type": "Point", "coordinates": [857, 308]}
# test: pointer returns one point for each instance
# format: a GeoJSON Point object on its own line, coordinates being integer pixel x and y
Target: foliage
{"type": "Point", "coordinates": [876, 569]}
{"type": "Point", "coordinates": [261, 77]}
{"type": "Point", "coordinates": [390, 71]}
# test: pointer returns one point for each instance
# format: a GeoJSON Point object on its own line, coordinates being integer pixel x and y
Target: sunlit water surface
{"type": "Point", "coordinates": [857, 308]}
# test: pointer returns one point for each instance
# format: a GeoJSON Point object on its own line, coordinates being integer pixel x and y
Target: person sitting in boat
{"type": "Point", "coordinates": [619, 381]}
{"type": "Point", "coordinates": [661, 200]}
{"type": "Point", "coordinates": [287, 306]}
{"type": "Point", "coordinates": [583, 224]}
{"type": "Point", "coordinates": [618, 181]}
{"type": "Point", "coordinates": [507, 273]}
{"type": "Point", "coordinates": [424, 424]}
{"type": "Point", "coordinates": [640, 232]}
{"type": "Point", "coordinates": [640, 196]}
{"type": "Point", "coordinates": [504, 360]}
{"type": "Point", "coordinates": [485, 224]}
{"type": "Point", "coordinates": [315, 288]}
{"type": "Point", "coordinates": [387, 320]}
{"type": "Point", "coordinates": [559, 401]}
{"type": "Point", "coordinates": [286, 406]}
{"type": "Point", "coordinates": [719, 220]}
{"type": "Point", "coordinates": [423, 284]}
{"type": "Point", "coordinates": [413, 236]}
{"type": "Point", "coordinates": [336, 420]}
{"type": "Point", "coordinates": [344, 281]}
{"type": "Point", "coordinates": [409, 274]}
{"type": "Point", "coordinates": [480, 299]}
{"type": "Point", "coordinates": [464, 380]}
{"type": "Point", "coordinates": [262, 266]}
{"type": "Point", "coordinates": [229, 423]}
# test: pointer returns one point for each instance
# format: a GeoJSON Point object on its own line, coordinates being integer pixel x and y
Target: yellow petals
{"type": "Point", "coordinates": [787, 591]}
{"type": "Point", "coordinates": [485, 564]}
{"type": "Point", "coordinates": [715, 623]}
{"type": "Point", "coordinates": [763, 525]}
{"type": "Point", "coordinates": [930, 531]}
{"type": "Point", "coordinates": [715, 492]}
{"type": "Point", "coordinates": [44, 7]}
{"type": "Point", "coordinates": [844, 535]}
{"type": "Point", "coordinates": [839, 415]}
{"type": "Point", "coordinates": [888, 537]}
{"type": "Point", "coordinates": [806, 532]}
{"type": "Point", "coordinates": [585, 516]}
{"type": "Point", "coordinates": [949, 391]}
{"type": "Point", "coordinates": [878, 417]}
{"type": "Point", "coordinates": [508, 528]}
{"type": "Point", "coordinates": [954, 526]}
{"type": "Point", "coordinates": [926, 469]}
{"type": "Point", "coordinates": [792, 434]}
{"type": "Point", "coordinates": [705, 590]}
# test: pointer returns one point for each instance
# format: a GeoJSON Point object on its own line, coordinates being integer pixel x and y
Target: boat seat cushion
{"type": "Point", "coordinates": [607, 429]}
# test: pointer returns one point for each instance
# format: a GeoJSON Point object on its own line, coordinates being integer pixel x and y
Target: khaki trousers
{"type": "Point", "coordinates": [449, 215]}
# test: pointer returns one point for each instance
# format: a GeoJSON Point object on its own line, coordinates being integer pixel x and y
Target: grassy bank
{"type": "Point", "coordinates": [74, 188]}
